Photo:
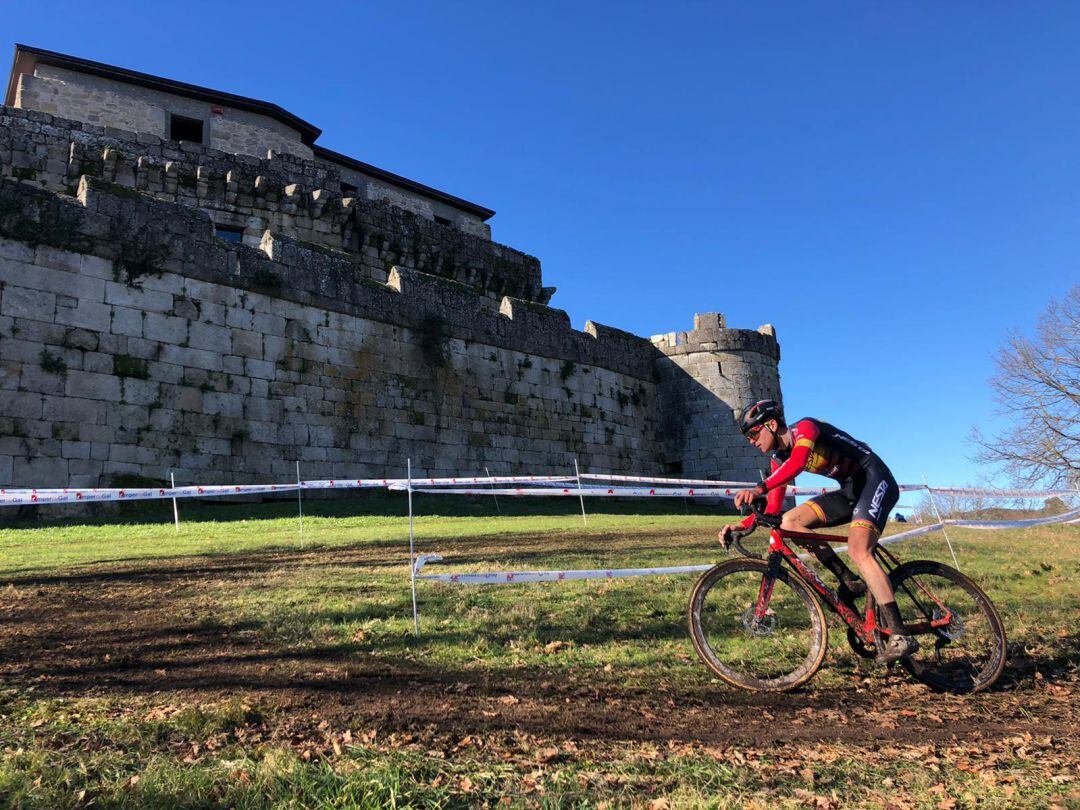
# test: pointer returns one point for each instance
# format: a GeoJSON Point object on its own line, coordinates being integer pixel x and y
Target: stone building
{"type": "Point", "coordinates": [189, 283]}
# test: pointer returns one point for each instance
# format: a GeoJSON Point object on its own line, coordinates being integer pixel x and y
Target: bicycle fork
{"type": "Point", "coordinates": [761, 608]}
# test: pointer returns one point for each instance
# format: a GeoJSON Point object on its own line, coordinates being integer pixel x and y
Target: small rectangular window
{"type": "Point", "coordinates": [442, 220]}
{"type": "Point", "coordinates": [229, 234]}
{"type": "Point", "coordinates": [349, 190]}
{"type": "Point", "coordinates": [185, 129]}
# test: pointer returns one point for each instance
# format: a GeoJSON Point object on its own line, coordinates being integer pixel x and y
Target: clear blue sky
{"type": "Point", "coordinates": [894, 186]}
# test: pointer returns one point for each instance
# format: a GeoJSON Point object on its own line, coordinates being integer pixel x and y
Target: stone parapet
{"type": "Point", "coordinates": [285, 193]}
{"type": "Point", "coordinates": [707, 375]}
{"type": "Point", "coordinates": [134, 341]}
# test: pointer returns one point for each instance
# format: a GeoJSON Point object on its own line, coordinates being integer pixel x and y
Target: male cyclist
{"type": "Point", "coordinates": [867, 493]}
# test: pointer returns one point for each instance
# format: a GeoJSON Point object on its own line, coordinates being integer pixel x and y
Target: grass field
{"type": "Point", "coordinates": [228, 666]}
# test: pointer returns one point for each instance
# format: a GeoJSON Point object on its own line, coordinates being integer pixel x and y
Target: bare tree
{"type": "Point", "coordinates": [1037, 385]}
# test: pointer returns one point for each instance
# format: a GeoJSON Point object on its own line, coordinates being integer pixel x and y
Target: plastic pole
{"type": "Point", "coordinates": [496, 497]}
{"type": "Point", "coordinates": [175, 510]}
{"type": "Point", "coordinates": [300, 502]}
{"type": "Point", "coordinates": [581, 497]}
{"type": "Point", "coordinates": [941, 520]}
{"type": "Point", "coordinates": [412, 551]}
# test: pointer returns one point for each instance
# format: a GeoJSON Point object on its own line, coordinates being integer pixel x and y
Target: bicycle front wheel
{"type": "Point", "coordinates": [960, 634]}
{"type": "Point", "coordinates": [781, 651]}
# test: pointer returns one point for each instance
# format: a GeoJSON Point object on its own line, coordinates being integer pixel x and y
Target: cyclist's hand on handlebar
{"type": "Point", "coordinates": [744, 497]}
{"type": "Point", "coordinates": [727, 536]}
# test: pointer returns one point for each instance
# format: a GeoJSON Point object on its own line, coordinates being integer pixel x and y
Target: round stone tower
{"type": "Point", "coordinates": [706, 376]}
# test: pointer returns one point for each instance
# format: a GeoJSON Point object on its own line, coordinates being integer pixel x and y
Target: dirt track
{"type": "Point", "coordinates": [145, 632]}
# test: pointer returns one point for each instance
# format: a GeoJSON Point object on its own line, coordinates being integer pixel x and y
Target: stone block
{"type": "Point", "coordinates": [247, 344]}
{"type": "Point", "coordinates": [20, 404]}
{"type": "Point", "coordinates": [39, 472]}
{"type": "Point", "coordinates": [36, 378]}
{"type": "Point", "coordinates": [139, 298]}
{"type": "Point", "coordinates": [87, 315]}
{"type": "Point", "coordinates": [96, 267]}
{"type": "Point", "coordinates": [74, 449]}
{"type": "Point", "coordinates": [21, 302]}
{"type": "Point", "coordinates": [165, 328]}
{"type": "Point", "coordinates": [73, 409]}
{"type": "Point", "coordinates": [140, 392]}
{"type": "Point", "coordinates": [126, 321]}
{"type": "Point", "coordinates": [57, 259]}
{"type": "Point", "coordinates": [260, 369]}
{"type": "Point", "coordinates": [11, 250]}
{"type": "Point", "coordinates": [194, 358]}
{"type": "Point", "coordinates": [89, 385]}
{"type": "Point", "coordinates": [97, 361]}
{"type": "Point", "coordinates": [209, 337]}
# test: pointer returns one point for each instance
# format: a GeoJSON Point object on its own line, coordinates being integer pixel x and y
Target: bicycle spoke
{"type": "Point", "coordinates": [771, 651]}
{"type": "Point", "coordinates": [962, 644]}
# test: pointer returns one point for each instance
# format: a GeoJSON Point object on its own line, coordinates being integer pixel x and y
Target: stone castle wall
{"type": "Point", "coordinates": [708, 371]}
{"type": "Point", "coordinates": [284, 194]}
{"type": "Point", "coordinates": [134, 341]}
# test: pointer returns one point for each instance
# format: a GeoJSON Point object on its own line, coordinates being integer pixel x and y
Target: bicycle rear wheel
{"type": "Point", "coordinates": [781, 652]}
{"type": "Point", "coordinates": [961, 637]}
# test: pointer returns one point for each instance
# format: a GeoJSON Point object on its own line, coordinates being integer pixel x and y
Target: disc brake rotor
{"type": "Point", "coordinates": [954, 629]}
{"type": "Point", "coordinates": [756, 627]}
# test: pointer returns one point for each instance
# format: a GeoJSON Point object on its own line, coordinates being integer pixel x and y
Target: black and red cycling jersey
{"type": "Point", "coordinates": [816, 447]}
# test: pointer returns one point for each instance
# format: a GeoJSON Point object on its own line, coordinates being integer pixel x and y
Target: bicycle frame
{"type": "Point", "coordinates": [779, 551]}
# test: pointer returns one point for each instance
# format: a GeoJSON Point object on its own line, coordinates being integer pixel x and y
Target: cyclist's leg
{"type": "Point", "coordinates": [829, 509]}
{"type": "Point", "coordinates": [877, 497]}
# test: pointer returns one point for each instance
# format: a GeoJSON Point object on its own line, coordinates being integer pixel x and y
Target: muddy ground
{"type": "Point", "coordinates": [144, 632]}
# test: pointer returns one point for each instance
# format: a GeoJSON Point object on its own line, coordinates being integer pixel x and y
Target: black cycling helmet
{"type": "Point", "coordinates": [759, 413]}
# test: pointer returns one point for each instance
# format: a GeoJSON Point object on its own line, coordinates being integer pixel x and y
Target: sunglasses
{"type": "Point", "coordinates": [753, 433]}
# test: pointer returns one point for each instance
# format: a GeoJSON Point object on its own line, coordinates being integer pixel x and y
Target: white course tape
{"type": "Point", "coordinates": [594, 491]}
{"type": "Point", "coordinates": [1064, 517]}
{"type": "Point", "coordinates": [1004, 494]}
{"type": "Point", "coordinates": [645, 479]}
{"type": "Point", "coordinates": [29, 497]}
{"type": "Point", "coordinates": [403, 483]}
{"type": "Point", "coordinates": [591, 492]}
{"type": "Point", "coordinates": [512, 577]}
{"type": "Point", "coordinates": [33, 497]}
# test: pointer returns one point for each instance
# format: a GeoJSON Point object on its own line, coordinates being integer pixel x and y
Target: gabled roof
{"type": "Point", "coordinates": [404, 182]}
{"type": "Point", "coordinates": [26, 57]}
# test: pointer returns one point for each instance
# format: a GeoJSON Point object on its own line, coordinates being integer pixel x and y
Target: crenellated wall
{"type": "Point", "coordinates": [710, 374]}
{"type": "Point", "coordinates": [285, 194]}
{"type": "Point", "coordinates": [134, 340]}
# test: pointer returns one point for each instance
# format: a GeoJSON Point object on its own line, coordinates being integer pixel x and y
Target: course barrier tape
{"type": "Point", "coordinates": [31, 497]}
{"type": "Point", "coordinates": [593, 491]}
{"type": "Point", "coordinates": [465, 485]}
{"type": "Point", "coordinates": [1005, 494]}
{"type": "Point", "coordinates": [514, 577]}
{"type": "Point", "coordinates": [35, 497]}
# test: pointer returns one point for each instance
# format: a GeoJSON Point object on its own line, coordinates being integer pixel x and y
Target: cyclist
{"type": "Point", "coordinates": [867, 493]}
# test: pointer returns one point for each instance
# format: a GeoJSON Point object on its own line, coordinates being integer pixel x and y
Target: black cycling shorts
{"type": "Point", "coordinates": [864, 499]}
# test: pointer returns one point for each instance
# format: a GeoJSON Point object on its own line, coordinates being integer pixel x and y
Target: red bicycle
{"type": "Point", "coordinates": [759, 625]}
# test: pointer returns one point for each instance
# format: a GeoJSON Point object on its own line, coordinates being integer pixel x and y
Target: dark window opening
{"type": "Point", "coordinates": [229, 234]}
{"type": "Point", "coordinates": [442, 220]}
{"type": "Point", "coordinates": [349, 190]}
{"type": "Point", "coordinates": [673, 467]}
{"type": "Point", "coordinates": [185, 129]}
